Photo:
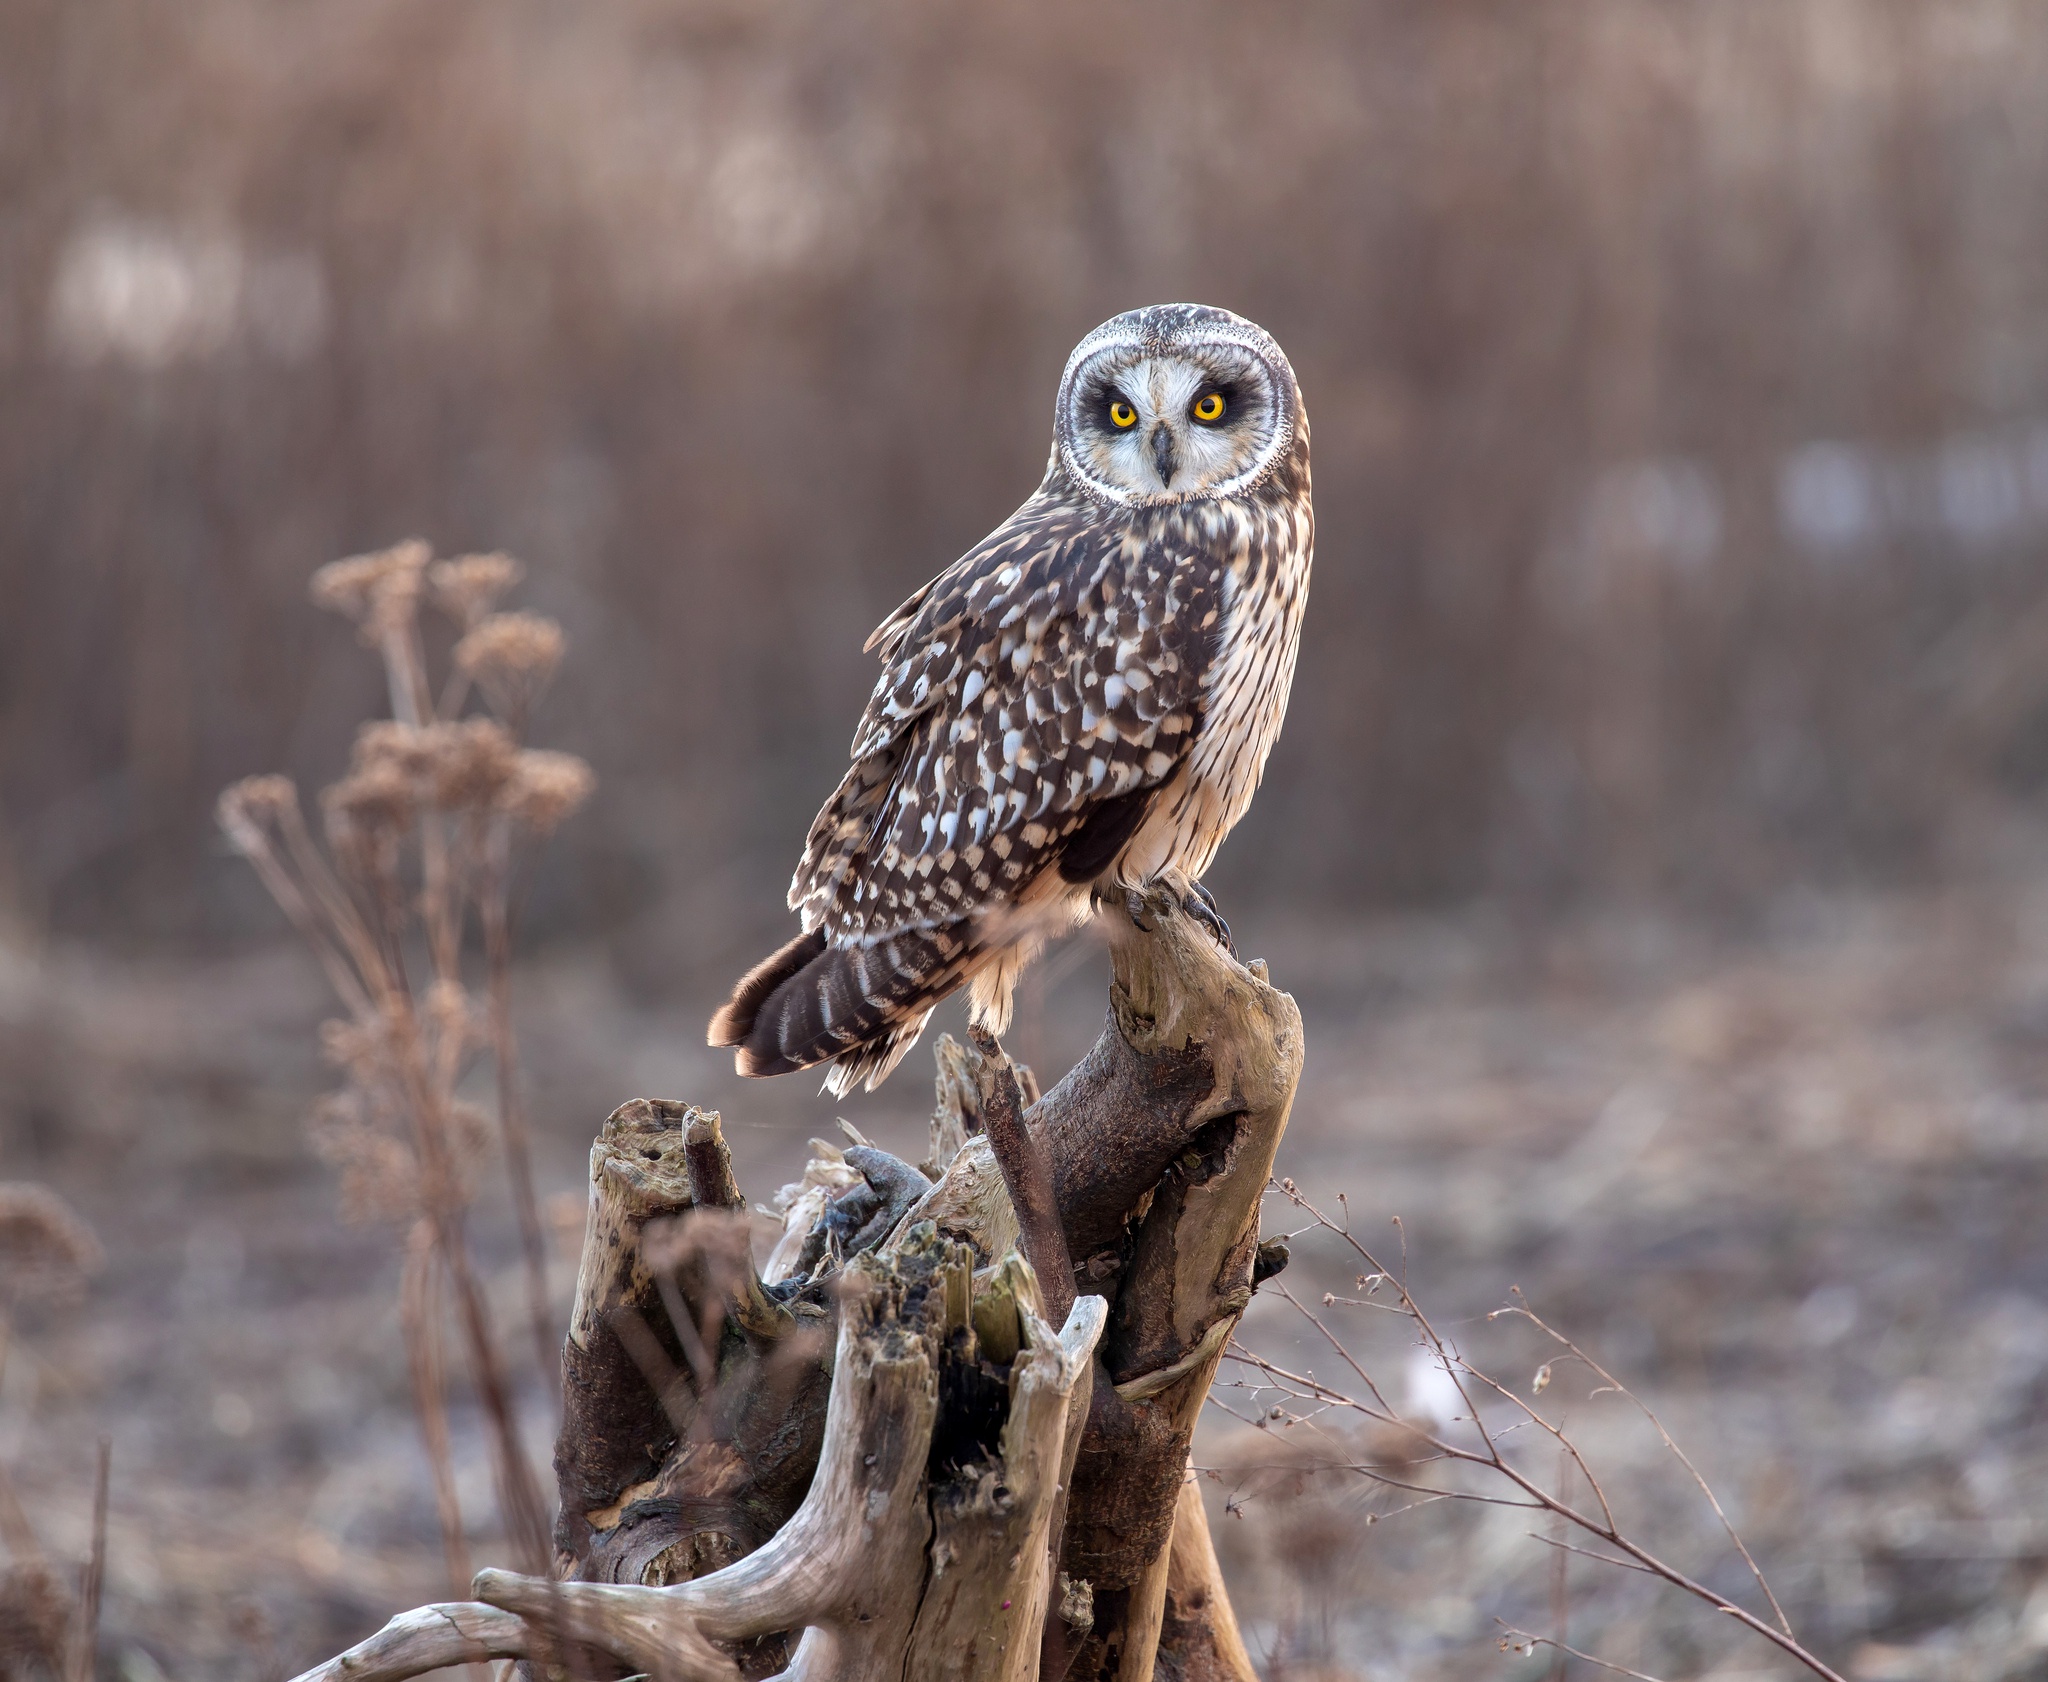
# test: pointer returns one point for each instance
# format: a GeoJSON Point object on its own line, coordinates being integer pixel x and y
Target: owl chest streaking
{"type": "Point", "coordinates": [1082, 701]}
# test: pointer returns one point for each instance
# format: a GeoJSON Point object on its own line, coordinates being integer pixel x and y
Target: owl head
{"type": "Point", "coordinates": [1173, 403]}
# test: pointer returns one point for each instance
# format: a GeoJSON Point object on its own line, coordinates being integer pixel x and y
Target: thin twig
{"type": "Point", "coordinates": [85, 1652]}
{"type": "Point", "coordinates": [1520, 1640]}
{"type": "Point", "coordinates": [421, 1330]}
{"type": "Point", "coordinates": [1489, 1456]}
{"type": "Point", "coordinates": [494, 901]}
{"type": "Point", "coordinates": [1611, 1382]}
{"type": "Point", "coordinates": [1563, 1546]}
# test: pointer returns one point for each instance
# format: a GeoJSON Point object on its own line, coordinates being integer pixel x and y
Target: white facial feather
{"type": "Point", "coordinates": [1167, 453]}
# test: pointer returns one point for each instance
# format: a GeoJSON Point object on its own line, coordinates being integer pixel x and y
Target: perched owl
{"type": "Point", "coordinates": [1084, 699]}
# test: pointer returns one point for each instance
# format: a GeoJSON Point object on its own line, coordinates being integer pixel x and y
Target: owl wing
{"type": "Point", "coordinates": [1044, 680]}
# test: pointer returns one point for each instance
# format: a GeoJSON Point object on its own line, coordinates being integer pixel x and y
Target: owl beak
{"type": "Point", "coordinates": [1163, 454]}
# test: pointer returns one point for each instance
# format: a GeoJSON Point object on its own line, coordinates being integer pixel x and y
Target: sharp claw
{"type": "Point", "coordinates": [1201, 905]}
{"type": "Point", "coordinates": [1134, 908]}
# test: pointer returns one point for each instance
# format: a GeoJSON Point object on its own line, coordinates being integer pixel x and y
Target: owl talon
{"type": "Point", "coordinates": [861, 1217]}
{"type": "Point", "coordinates": [1200, 904]}
{"type": "Point", "coordinates": [1134, 908]}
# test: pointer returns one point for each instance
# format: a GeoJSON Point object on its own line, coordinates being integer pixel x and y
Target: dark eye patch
{"type": "Point", "coordinates": [1103, 400]}
{"type": "Point", "coordinates": [1227, 391]}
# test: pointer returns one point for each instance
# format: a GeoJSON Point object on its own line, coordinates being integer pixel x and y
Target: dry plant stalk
{"type": "Point", "coordinates": [423, 832]}
{"type": "Point", "coordinates": [1290, 1398]}
{"type": "Point", "coordinates": [46, 1626]}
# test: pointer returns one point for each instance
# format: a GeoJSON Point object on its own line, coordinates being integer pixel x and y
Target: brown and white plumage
{"type": "Point", "coordinates": [1086, 698]}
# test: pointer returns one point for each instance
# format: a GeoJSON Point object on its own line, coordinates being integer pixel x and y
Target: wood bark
{"type": "Point", "coordinates": [942, 1485]}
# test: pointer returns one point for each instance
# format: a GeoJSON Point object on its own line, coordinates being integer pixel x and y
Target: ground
{"type": "Point", "coordinates": [1788, 1184]}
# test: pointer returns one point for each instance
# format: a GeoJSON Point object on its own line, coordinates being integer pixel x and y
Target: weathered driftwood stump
{"type": "Point", "coordinates": [879, 1456]}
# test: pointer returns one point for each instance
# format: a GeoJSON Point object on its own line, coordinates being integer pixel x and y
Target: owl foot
{"type": "Point", "coordinates": [1196, 902]}
{"type": "Point", "coordinates": [1200, 904]}
{"type": "Point", "coordinates": [862, 1216]}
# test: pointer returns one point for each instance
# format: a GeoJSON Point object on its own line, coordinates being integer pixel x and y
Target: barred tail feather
{"type": "Point", "coordinates": [875, 1062]}
{"type": "Point", "coordinates": [859, 1008]}
{"type": "Point", "coordinates": [736, 1017]}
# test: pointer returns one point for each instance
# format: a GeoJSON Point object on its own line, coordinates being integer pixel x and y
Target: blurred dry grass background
{"type": "Point", "coordinates": [1680, 375]}
{"type": "Point", "coordinates": [1680, 381]}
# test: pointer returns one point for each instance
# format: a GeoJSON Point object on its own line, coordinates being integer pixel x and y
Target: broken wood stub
{"type": "Point", "coordinates": [1027, 1172]}
{"type": "Point", "coordinates": [692, 1401]}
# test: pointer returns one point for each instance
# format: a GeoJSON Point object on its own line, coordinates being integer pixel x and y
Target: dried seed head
{"type": "Point", "coordinates": [385, 744]}
{"type": "Point", "coordinates": [511, 657]}
{"type": "Point", "coordinates": [354, 1046]}
{"type": "Point", "coordinates": [447, 766]}
{"type": "Point", "coordinates": [376, 803]}
{"type": "Point", "coordinates": [469, 586]}
{"type": "Point", "coordinates": [472, 1134]}
{"type": "Point", "coordinates": [36, 1621]}
{"type": "Point", "coordinates": [470, 762]}
{"type": "Point", "coordinates": [249, 808]}
{"type": "Point", "coordinates": [374, 590]}
{"type": "Point", "coordinates": [45, 1249]}
{"type": "Point", "coordinates": [380, 1177]}
{"type": "Point", "coordinates": [546, 788]}
{"type": "Point", "coordinates": [449, 1012]}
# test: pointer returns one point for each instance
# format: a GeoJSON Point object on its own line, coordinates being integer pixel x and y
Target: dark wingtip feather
{"type": "Point", "coordinates": [754, 1063]}
{"type": "Point", "coordinates": [735, 1018]}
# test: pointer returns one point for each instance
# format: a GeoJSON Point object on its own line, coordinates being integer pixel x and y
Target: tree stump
{"type": "Point", "coordinates": [878, 1456]}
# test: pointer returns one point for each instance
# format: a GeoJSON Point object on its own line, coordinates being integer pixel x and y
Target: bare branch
{"type": "Point", "coordinates": [1490, 1457]}
{"type": "Point", "coordinates": [1610, 1382]}
{"type": "Point", "coordinates": [426, 1639]}
{"type": "Point", "coordinates": [1521, 1641]}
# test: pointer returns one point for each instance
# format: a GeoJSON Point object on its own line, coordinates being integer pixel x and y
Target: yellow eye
{"type": "Point", "coordinates": [1122, 414]}
{"type": "Point", "coordinates": [1209, 406]}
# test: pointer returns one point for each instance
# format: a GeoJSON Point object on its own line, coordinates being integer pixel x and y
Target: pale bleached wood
{"type": "Point", "coordinates": [861, 1528]}
{"type": "Point", "coordinates": [984, 1605]}
{"type": "Point", "coordinates": [969, 1203]}
{"type": "Point", "coordinates": [428, 1638]}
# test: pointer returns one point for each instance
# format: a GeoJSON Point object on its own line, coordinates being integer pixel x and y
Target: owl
{"type": "Point", "coordinates": [1082, 701]}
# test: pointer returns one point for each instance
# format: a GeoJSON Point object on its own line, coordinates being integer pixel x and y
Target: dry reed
{"type": "Point", "coordinates": [424, 835]}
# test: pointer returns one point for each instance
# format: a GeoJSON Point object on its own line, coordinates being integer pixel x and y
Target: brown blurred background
{"type": "Point", "coordinates": [1679, 374]}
